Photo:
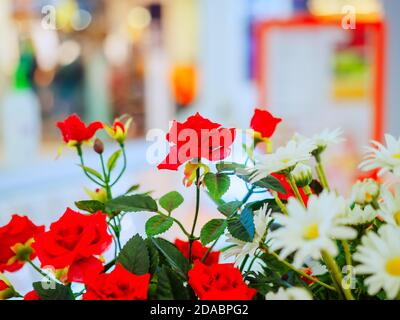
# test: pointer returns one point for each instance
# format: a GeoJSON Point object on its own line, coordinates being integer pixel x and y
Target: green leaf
{"type": "Point", "coordinates": [229, 208]}
{"type": "Point", "coordinates": [132, 203]}
{"type": "Point", "coordinates": [158, 224]}
{"type": "Point", "coordinates": [52, 291]}
{"type": "Point", "coordinates": [170, 286]}
{"type": "Point", "coordinates": [112, 161]}
{"type": "Point", "coordinates": [173, 256]}
{"type": "Point", "coordinates": [242, 227]}
{"type": "Point", "coordinates": [212, 230]}
{"type": "Point", "coordinates": [92, 171]}
{"type": "Point", "coordinates": [154, 257]}
{"type": "Point", "coordinates": [272, 183]}
{"type": "Point", "coordinates": [91, 206]}
{"type": "Point", "coordinates": [171, 201]}
{"type": "Point", "coordinates": [229, 167]}
{"type": "Point", "coordinates": [217, 184]}
{"type": "Point", "coordinates": [134, 256]}
{"type": "Point", "coordinates": [133, 188]}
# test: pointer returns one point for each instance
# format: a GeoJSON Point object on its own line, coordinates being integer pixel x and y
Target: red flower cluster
{"type": "Point", "coordinates": [197, 138]}
{"type": "Point", "coordinates": [31, 295]}
{"type": "Point", "coordinates": [219, 282]}
{"type": "Point", "coordinates": [264, 123]}
{"type": "Point", "coordinates": [119, 284]}
{"type": "Point", "coordinates": [73, 242]}
{"type": "Point", "coordinates": [74, 130]}
{"type": "Point", "coordinates": [198, 252]}
{"type": "Point", "coordinates": [15, 243]}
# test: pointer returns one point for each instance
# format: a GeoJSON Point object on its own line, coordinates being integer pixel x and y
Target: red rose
{"type": "Point", "coordinates": [119, 284]}
{"type": "Point", "coordinates": [15, 243]}
{"type": "Point", "coordinates": [196, 138]}
{"type": "Point", "coordinates": [31, 295]}
{"type": "Point", "coordinates": [198, 251]}
{"type": "Point", "coordinates": [74, 241]}
{"type": "Point", "coordinates": [74, 130]}
{"type": "Point", "coordinates": [289, 192]}
{"type": "Point", "coordinates": [264, 123]}
{"type": "Point", "coordinates": [219, 282]}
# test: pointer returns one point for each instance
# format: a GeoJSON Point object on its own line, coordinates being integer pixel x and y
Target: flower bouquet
{"type": "Point", "coordinates": [300, 240]}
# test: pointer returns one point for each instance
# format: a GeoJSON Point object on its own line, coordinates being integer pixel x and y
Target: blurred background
{"type": "Point", "coordinates": [316, 63]}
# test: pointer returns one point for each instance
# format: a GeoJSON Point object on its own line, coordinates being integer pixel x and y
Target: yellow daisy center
{"type": "Point", "coordinates": [393, 266]}
{"type": "Point", "coordinates": [311, 232]}
{"type": "Point", "coordinates": [396, 155]}
{"type": "Point", "coordinates": [396, 217]}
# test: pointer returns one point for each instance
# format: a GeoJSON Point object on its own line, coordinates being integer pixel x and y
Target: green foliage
{"type": "Point", "coordinates": [158, 224]}
{"type": "Point", "coordinates": [132, 203]}
{"type": "Point", "coordinates": [134, 256]}
{"type": "Point", "coordinates": [92, 171]}
{"type": "Point", "coordinates": [242, 226]}
{"type": "Point", "coordinates": [52, 291]}
{"type": "Point", "coordinates": [91, 206]}
{"type": "Point", "coordinates": [112, 161]}
{"type": "Point", "coordinates": [170, 286]}
{"type": "Point", "coordinates": [171, 201]}
{"type": "Point", "coordinates": [212, 230]}
{"type": "Point", "coordinates": [217, 184]}
{"type": "Point", "coordinates": [229, 208]}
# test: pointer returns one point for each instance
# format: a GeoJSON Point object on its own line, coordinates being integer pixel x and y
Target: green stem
{"type": "Point", "coordinates": [79, 150]}
{"type": "Point", "coordinates": [336, 275]}
{"type": "Point", "coordinates": [109, 265]}
{"type": "Point", "coordinates": [196, 214]}
{"type": "Point", "coordinates": [307, 190]}
{"type": "Point", "coordinates": [279, 203]}
{"type": "Point", "coordinates": [292, 267]}
{"type": "Point", "coordinates": [243, 264]}
{"type": "Point", "coordinates": [321, 173]}
{"type": "Point", "coordinates": [38, 269]}
{"type": "Point", "coordinates": [187, 234]}
{"type": "Point", "coordinates": [347, 252]}
{"type": "Point", "coordinates": [294, 187]}
{"type": "Point", "coordinates": [209, 250]}
{"type": "Point", "coordinates": [106, 178]}
{"type": "Point", "coordinates": [123, 168]}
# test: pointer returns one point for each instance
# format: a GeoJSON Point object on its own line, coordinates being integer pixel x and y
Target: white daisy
{"type": "Point", "coordinates": [357, 215]}
{"type": "Point", "coordinates": [316, 267]}
{"type": "Point", "coordinates": [365, 192]}
{"type": "Point", "coordinates": [323, 139]}
{"type": "Point", "coordinates": [307, 231]}
{"type": "Point", "coordinates": [262, 218]}
{"type": "Point", "coordinates": [285, 158]}
{"type": "Point", "coordinates": [293, 293]}
{"type": "Point", "coordinates": [385, 158]}
{"type": "Point", "coordinates": [390, 206]}
{"type": "Point", "coordinates": [379, 256]}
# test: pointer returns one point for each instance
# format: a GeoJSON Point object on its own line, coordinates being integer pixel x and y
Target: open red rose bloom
{"type": "Point", "coordinates": [264, 123]}
{"type": "Point", "coordinates": [197, 138]}
{"type": "Point", "coordinates": [74, 130]}
{"type": "Point", "coordinates": [198, 252]}
{"type": "Point", "coordinates": [74, 242]}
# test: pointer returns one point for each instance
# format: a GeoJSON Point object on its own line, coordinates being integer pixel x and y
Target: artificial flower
{"type": "Point", "coordinates": [75, 132]}
{"type": "Point", "coordinates": [307, 231]}
{"type": "Point", "coordinates": [285, 158]}
{"type": "Point", "coordinates": [289, 294]}
{"type": "Point", "coordinates": [219, 282]}
{"type": "Point", "coordinates": [262, 219]}
{"type": "Point", "coordinates": [6, 289]}
{"type": "Point", "coordinates": [16, 240]}
{"type": "Point", "coordinates": [365, 192]}
{"type": "Point", "coordinates": [384, 158]}
{"type": "Point", "coordinates": [197, 138]}
{"type": "Point", "coordinates": [74, 241]}
{"type": "Point", "coordinates": [198, 251]}
{"type": "Point", "coordinates": [379, 257]}
{"type": "Point", "coordinates": [390, 206]}
{"type": "Point", "coordinates": [357, 215]}
{"type": "Point", "coordinates": [99, 194]}
{"type": "Point", "coordinates": [264, 124]}
{"type": "Point", "coordinates": [31, 295]}
{"type": "Point", "coordinates": [119, 284]}
{"type": "Point", "coordinates": [302, 175]}
{"type": "Point", "coordinates": [323, 139]}
{"type": "Point", "coordinates": [119, 130]}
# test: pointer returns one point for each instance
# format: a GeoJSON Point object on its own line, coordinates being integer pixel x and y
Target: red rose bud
{"type": "Point", "coordinates": [16, 239]}
{"type": "Point", "coordinates": [6, 289]}
{"type": "Point", "coordinates": [219, 282]}
{"type": "Point", "coordinates": [75, 132]}
{"type": "Point", "coordinates": [198, 252]}
{"type": "Point", "coordinates": [87, 239]}
{"type": "Point", "coordinates": [264, 124]}
{"type": "Point", "coordinates": [31, 295]}
{"type": "Point", "coordinates": [98, 146]}
{"type": "Point", "coordinates": [119, 284]}
{"type": "Point", "coordinates": [197, 138]}
{"type": "Point", "coordinates": [119, 130]}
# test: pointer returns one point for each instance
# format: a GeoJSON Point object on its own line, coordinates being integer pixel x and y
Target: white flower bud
{"type": "Point", "coordinates": [365, 192]}
{"type": "Point", "coordinates": [302, 174]}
